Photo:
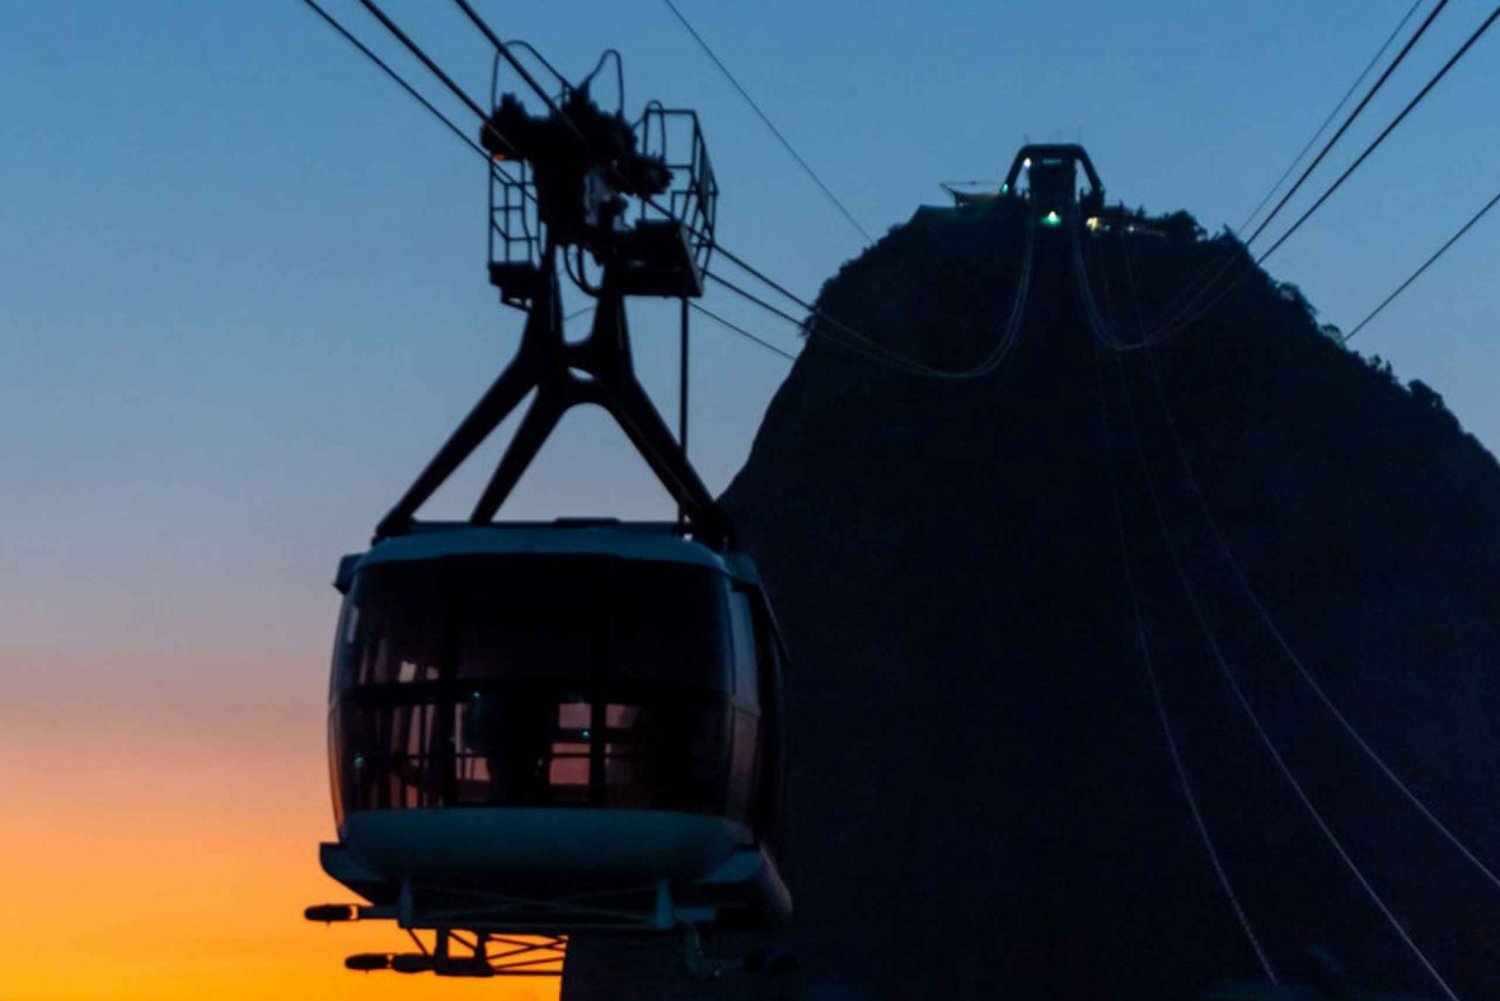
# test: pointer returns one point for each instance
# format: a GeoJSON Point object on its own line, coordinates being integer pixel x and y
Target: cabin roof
{"type": "Point", "coordinates": [653, 542]}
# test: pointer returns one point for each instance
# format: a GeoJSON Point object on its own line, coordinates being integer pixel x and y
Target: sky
{"type": "Point", "coordinates": [243, 299]}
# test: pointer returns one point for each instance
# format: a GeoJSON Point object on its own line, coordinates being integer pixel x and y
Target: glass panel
{"type": "Point", "coordinates": [746, 663]}
{"type": "Point", "coordinates": [511, 732]}
{"type": "Point", "coordinates": [338, 769]}
{"type": "Point", "coordinates": [701, 755]}
{"type": "Point", "coordinates": [670, 625]}
{"type": "Point", "coordinates": [535, 617]}
{"type": "Point", "coordinates": [389, 757]}
{"type": "Point", "coordinates": [510, 681]}
{"type": "Point", "coordinates": [627, 779]}
{"type": "Point", "coordinates": [510, 749]}
{"type": "Point", "coordinates": [568, 773]}
{"type": "Point", "coordinates": [391, 633]}
{"type": "Point", "coordinates": [627, 757]}
{"type": "Point", "coordinates": [574, 716]}
{"type": "Point", "coordinates": [742, 764]}
{"type": "Point", "coordinates": [621, 717]}
{"type": "Point", "coordinates": [527, 617]}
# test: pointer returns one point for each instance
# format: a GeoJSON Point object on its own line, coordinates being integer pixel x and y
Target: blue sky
{"type": "Point", "coordinates": [243, 276]}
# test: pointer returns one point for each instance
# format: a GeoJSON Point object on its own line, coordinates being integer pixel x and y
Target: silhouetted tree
{"type": "Point", "coordinates": [1432, 401]}
{"type": "Point", "coordinates": [1181, 225]}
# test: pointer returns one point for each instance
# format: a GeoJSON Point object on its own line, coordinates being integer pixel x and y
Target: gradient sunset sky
{"type": "Point", "coordinates": [243, 298]}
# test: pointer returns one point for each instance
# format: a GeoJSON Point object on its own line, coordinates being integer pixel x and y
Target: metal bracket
{"type": "Point", "coordinates": [596, 370]}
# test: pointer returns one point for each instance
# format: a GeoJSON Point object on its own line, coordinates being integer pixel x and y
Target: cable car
{"type": "Point", "coordinates": [557, 727]}
{"type": "Point", "coordinates": [545, 728]}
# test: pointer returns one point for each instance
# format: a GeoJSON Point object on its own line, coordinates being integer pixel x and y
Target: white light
{"type": "Point", "coordinates": [1026, 163]}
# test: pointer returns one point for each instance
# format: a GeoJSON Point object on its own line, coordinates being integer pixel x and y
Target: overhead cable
{"type": "Point", "coordinates": [836, 330]}
{"type": "Point", "coordinates": [1206, 290]}
{"type": "Point", "coordinates": [1332, 114]}
{"type": "Point", "coordinates": [1184, 782]}
{"type": "Point", "coordinates": [1196, 486]}
{"type": "Point", "coordinates": [1328, 146]}
{"type": "Point", "coordinates": [776, 311]}
{"type": "Point", "coordinates": [737, 329]}
{"type": "Point", "coordinates": [458, 91]}
{"type": "Point", "coordinates": [1185, 303]}
{"type": "Point", "coordinates": [766, 120]}
{"type": "Point", "coordinates": [1452, 61]}
{"type": "Point", "coordinates": [1348, 727]}
{"type": "Point", "coordinates": [1191, 311]}
{"type": "Point", "coordinates": [1425, 265]}
{"type": "Point", "coordinates": [426, 60]}
{"type": "Point", "coordinates": [1244, 702]}
{"type": "Point", "coordinates": [397, 77]}
{"type": "Point", "coordinates": [497, 168]}
{"type": "Point", "coordinates": [1107, 331]}
{"type": "Point", "coordinates": [853, 340]}
{"type": "Point", "coordinates": [464, 138]}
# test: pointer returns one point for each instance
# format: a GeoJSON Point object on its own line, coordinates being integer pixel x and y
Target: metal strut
{"type": "Point", "coordinates": [589, 180]}
{"type": "Point", "coordinates": [596, 370]}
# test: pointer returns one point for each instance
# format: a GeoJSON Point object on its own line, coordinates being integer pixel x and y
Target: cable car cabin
{"type": "Point", "coordinates": [522, 717]}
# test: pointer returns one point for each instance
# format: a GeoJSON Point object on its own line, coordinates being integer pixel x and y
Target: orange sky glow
{"type": "Point", "coordinates": [146, 854]}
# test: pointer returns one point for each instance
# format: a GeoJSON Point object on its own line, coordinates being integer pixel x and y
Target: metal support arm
{"type": "Point", "coordinates": [596, 370]}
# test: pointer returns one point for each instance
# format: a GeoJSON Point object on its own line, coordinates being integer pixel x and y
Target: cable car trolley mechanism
{"type": "Point", "coordinates": [547, 728]}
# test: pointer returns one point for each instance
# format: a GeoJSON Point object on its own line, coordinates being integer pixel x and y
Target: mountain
{"type": "Point", "coordinates": [997, 590]}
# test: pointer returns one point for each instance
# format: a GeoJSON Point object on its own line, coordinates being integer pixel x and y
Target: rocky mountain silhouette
{"type": "Point", "coordinates": [1046, 627]}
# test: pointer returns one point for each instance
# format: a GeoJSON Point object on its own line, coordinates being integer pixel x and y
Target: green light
{"type": "Point", "coordinates": [1051, 219]}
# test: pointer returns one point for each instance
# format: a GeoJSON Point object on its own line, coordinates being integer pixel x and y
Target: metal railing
{"type": "Point", "coordinates": [674, 136]}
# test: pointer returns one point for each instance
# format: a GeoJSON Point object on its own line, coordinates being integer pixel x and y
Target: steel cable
{"type": "Point", "coordinates": [1375, 144]}
{"type": "Point", "coordinates": [1196, 486]}
{"type": "Point", "coordinates": [462, 137]}
{"type": "Point", "coordinates": [1291, 655]}
{"type": "Point", "coordinates": [1328, 146]}
{"type": "Point", "coordinates": [397, 77]}
{"type": "Point", "coordinates": [737, 329]}
{"type": "Point", "coordinates": [1266, 740]}
{"type": "Point", "coordinates": [1203, 284]}
{"type": "Point", "coordinates": [851, 339]}
{"type": "Point", "coordinates": [786, 143]}
{"type": "Point", "coordinates": [1184, 782]}
{"type": "Point", "coordinates": [1331, 115]}
{"type": "Point", "coordinates": [1425, 265]}
{"type": "Point", "coordinates": [1208, 295]}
